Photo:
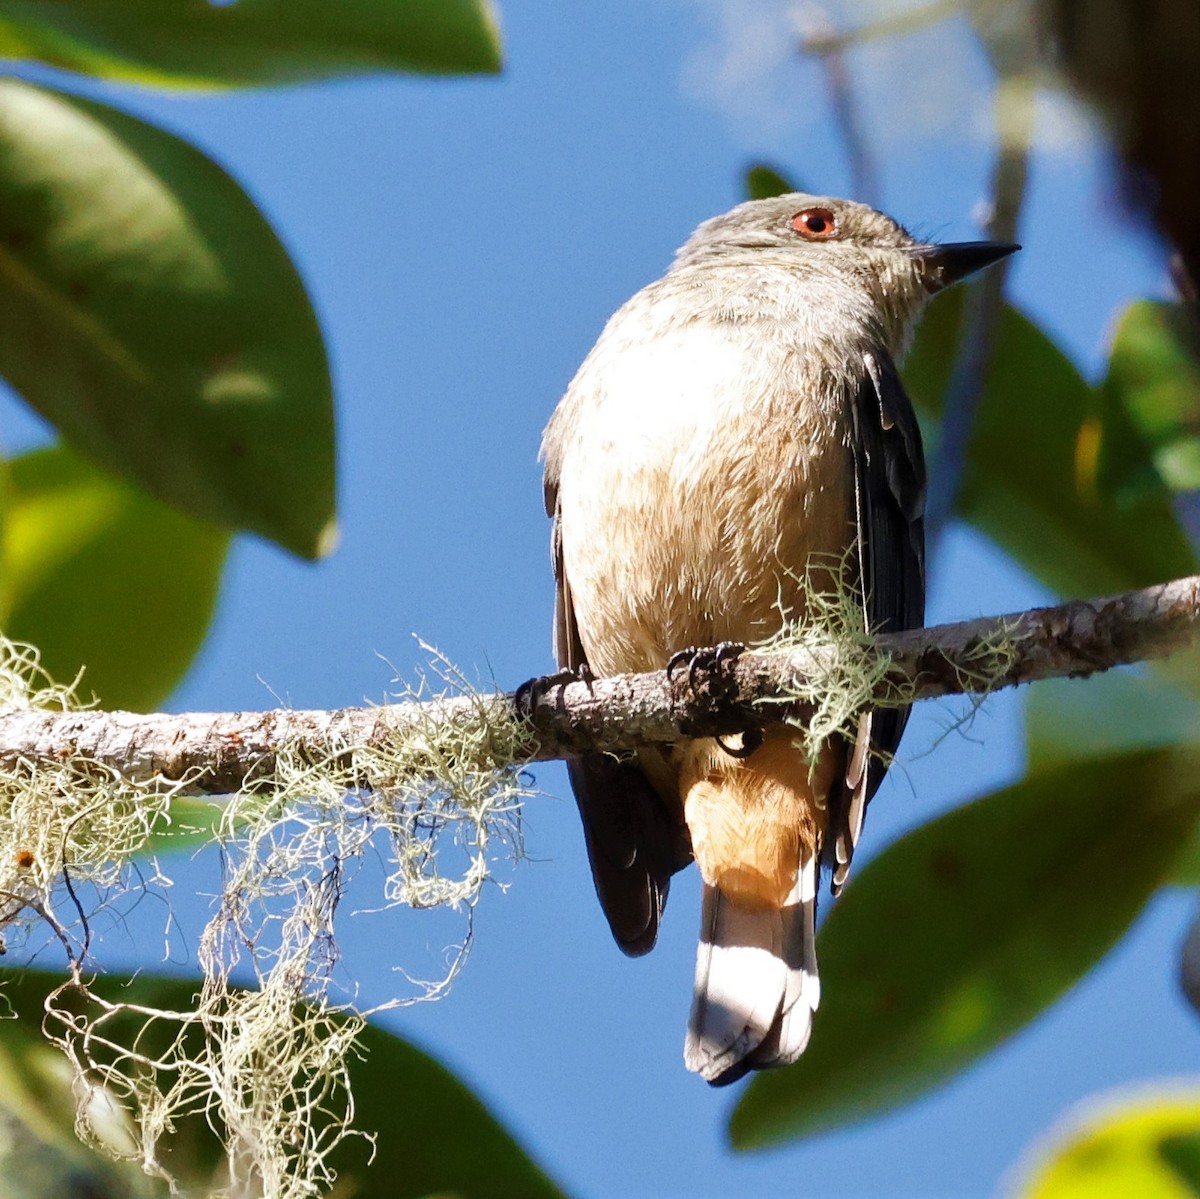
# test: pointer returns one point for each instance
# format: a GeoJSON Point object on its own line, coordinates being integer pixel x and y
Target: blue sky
{"type": "Point", "coordinates": [463, 243]}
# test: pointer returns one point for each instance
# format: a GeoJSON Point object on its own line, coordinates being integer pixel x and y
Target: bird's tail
{"type": "Point", "coordinates": [756, 982]}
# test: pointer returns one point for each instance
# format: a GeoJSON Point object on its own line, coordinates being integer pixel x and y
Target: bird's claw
{"type": "Point", "coordinates": [719, 687]}
{"type": "Point", "coordinates": [705, 659]}
{"type": "Point", "coordinates": [531, 692]}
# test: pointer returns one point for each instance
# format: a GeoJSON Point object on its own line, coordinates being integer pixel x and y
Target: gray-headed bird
{"type": "Point", "coordinates": [738, 421]}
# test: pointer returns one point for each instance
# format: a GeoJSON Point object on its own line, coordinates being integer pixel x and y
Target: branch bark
{"type": "Point", "coordinates": [218, 753]}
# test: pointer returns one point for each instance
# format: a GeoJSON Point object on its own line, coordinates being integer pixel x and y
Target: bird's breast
{"type": "Point", "coordinates": [708, 463]}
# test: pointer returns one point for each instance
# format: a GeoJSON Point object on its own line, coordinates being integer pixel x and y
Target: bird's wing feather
{"type": "Point", "coordinates": [635, 841]}
{"type": "Point", "coordinates": [889, 485]}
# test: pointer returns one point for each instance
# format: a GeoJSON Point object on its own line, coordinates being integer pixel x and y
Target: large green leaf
{"type": "Point", "coordinates": [149, 311]}
{"type": "Point", "coordinates": [1032, 480]}
{"type": "Point", "coordinates": [1148, 1148]}
{"type": "Point", "coordinates": [1153, 381]}
{"type": "Point", "coordinates": [213, 43]}
{"type": "Point", "coordinates": [98, 575]}
{"type": "Point", "coordinates": [1067, 720]}
{"type": "Point", "coordinates": [434, 1136]}
{"type": "Point", "coordinates": [967, 928]}
{"type": "Point", "coordinates": [1070, 719]}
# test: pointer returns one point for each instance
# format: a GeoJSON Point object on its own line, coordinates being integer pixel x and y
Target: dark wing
{"type": "Point", "coordinates": [889, 489]}
{"type": "Point", "coordinates": [634, 843]}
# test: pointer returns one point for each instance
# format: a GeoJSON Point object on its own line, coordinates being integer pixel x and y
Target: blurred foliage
{"type": "Point", "coordinates": [1146, 1146]}
{"type": "Point", "coordinates": [1032, 482]}
{"type": "Point", "coordinates": [763, 181]}
{"type": "Point", "coordinates": [193, 823]}
{"type": "Point", "coordinates": [968, 927]}
{"type": "Point", "coordinates": [148, 310]}
{"type": "Point", "coordinates": [1152, 386]}
{"type": "Point", "coordinates": [1069, 720]}
{"type": "Point", "coordinates": [424, 1115]}
{"type": "Point", "coordinates": [1135, 62]}
{"type": "Point", "coordinates": [149, 573]}
{"type": "Point", "coordinates": [217, 44]}
{"type": "Point", "coordinates": [1181, 1152]}
{"type": "Point", "coordinates": [949, 942]}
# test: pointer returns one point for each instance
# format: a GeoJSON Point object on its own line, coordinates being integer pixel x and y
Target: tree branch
{"type": "Point", "coordinates": [216, 753]}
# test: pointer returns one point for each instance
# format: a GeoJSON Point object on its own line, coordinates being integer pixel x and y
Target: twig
{"type": "Point", "coordinates": [823, 40]}
{"type": "Point", "coordinates": [217, 753]}
{"type": "Point", "coordinates": [1013, 56]}
{"type": "Point", "coordinates": [817, 33]}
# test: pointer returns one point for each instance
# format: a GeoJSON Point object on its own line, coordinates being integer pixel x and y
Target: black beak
{"type": "Point", "coordinates": [943, 265]}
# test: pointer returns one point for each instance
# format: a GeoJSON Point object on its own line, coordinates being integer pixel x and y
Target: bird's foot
{"type": "Point", "coordinates": [708, 686]}
{"type": "Point", "coordinates": [531, 692]}
{"type": "Point", "coordinates": [706, 660]}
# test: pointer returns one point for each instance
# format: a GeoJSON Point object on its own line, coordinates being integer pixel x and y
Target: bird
{"type": "Point", "coordinates": [739, 420]}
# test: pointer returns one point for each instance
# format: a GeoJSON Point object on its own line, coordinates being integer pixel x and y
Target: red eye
{"type": "Point", "coordinates": [816, 224]}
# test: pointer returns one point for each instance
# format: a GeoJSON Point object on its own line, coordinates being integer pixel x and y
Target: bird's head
{"type": "Point", "coordinates": [844, 244]}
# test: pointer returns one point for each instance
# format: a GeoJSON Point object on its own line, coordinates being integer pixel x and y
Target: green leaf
{"type": "Point", "coordinates": [148, 310]}
{"type": "Point", "coordinates": [1031, 481]}
{"type": "Point", "coordinates": [435, 1136]}
{"type": "Point", "coordinates": [235, 42]}
{"type": "Point", "coordinates": [1154, 382]}
{"type": "Point", "coordinates": [763, 182]}
{"type": "Point", "coordinates": [1120, 710]}
{"type": "Point", "coordinates": [1181, 1151]}
{"type": "Point", "coordinates": [1149, 1148]}
{"type": "Point", "coordinates": [40, 1156]}
{"type": "Point", "coordinates": [1187, 868]}
{"type": "Point", "coordinates": [967, 928]}
{"type": "Point", "coordinates": [97, 574]}
{"type": "Point", "coordinates": [1067, 720]}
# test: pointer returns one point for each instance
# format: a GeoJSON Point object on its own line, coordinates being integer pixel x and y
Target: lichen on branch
{"type": "Point", "coordinates": [437, 800]}
{"type": "Point", "coordinates": [432, 783]}
{"type": "Point", "coordinates": [221, 753]}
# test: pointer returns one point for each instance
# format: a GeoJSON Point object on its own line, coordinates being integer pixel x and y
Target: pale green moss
{"type": "Point", "coordinates": [436, 801]}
